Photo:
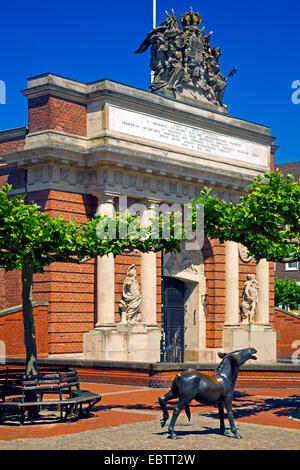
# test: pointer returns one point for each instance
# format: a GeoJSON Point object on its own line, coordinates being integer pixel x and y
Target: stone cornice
{"type": "Point", "coordinates": [124, 150]}
{"type": "Point", "coordinates": [131, 182]}
{"type": "Point", "coordinates": [141, 100]}
{"type": "Point", "coordinates": [54, 90]}
{"type": "Point", "coordinates": [203, 171]}
{"type": "Point", "coordinates": [11, 134]}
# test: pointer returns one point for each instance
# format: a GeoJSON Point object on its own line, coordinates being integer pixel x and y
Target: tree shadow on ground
{"type": "Point", "coordinates": [244, 405]}
{"type": "Point", "coordinates": [145, 407]}
{"type": "Point", "coordinates": [287, 406]}
{"type": "Point", "coordinates": [47, 415]}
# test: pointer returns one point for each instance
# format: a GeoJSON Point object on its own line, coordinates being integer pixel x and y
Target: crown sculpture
{"type": "Point", "coordinates": [183, 64]}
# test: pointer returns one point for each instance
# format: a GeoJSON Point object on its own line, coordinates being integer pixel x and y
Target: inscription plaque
{"type": "Point", "coordinates": [188, 137]}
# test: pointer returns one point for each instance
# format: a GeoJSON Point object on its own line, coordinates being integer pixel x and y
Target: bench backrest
{"type": "Point", "coordinates": [15, 383]}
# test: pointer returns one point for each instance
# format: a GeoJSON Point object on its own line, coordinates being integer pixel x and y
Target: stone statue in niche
{"type": "Point", "coordinates": [249, 300]}
{"type": "Point", "coordinates": [184, 66]}
{"type": "Point", "coordinates": [131, 298]}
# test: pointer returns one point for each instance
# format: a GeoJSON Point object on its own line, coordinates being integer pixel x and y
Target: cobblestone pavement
{"type": "Point", "coordinates": [128, 418]}
{"type": "Point", "coordinates": [200, 434]}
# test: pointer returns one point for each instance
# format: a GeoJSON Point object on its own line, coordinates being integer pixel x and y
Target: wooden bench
{"type": "Point", "coordinates": [28, 392]}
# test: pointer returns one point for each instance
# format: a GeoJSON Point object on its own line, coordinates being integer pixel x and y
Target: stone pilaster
{"type": "Point", "coordinates": [262, 276]}
{"type": "Point", "coordinates": [231, 283]}
{"type": "Point", "coordinates": [105, 273]}
{"type": "Point", "coordinates": [148, 273]}
{"type": "Point", "coordinates": [233, 337]}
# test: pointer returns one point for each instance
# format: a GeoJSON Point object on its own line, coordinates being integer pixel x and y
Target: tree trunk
{"type": "Point", "coordinates": [29, 329]}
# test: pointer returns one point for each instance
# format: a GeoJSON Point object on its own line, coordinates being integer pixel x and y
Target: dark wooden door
{"type": "Point", "coordinates": [174, 319]}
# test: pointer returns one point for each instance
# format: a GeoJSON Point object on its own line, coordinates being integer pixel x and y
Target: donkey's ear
{"type": "Point", "coordinates": [221, 355]}
{"type": "Point", "coordinates": [236, 357]}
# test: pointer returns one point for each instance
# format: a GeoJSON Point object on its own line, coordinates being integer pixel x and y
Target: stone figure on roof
{"type": "Point", "coordinates": [184, 66]}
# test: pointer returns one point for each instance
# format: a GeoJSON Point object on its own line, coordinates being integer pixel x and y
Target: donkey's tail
{"type": "Point", "coordinates": [188, 412]}
{"type": "Point", "coordinates": [174, 386]}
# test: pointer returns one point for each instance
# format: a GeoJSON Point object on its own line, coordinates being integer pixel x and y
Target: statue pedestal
{"type": "Point", "coordinates": [191, 95]}
{"type": "Point", "coordinates": [204, 356]}
{"type": "Point", "coordinates": [260, 337]}
{"type": "Point", "coordinates": [136, 342]}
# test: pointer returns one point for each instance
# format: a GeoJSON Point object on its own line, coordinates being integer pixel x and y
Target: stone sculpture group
{"type": "Point", "coordinates": [183, 62]}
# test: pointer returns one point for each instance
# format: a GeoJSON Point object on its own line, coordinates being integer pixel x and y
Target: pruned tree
{"type": "Point", "coordinates": [287, 293]}
{"type": "Point", "coordinates": [30, 240]}
{"type": "Point", "coordinates": [266, 220]}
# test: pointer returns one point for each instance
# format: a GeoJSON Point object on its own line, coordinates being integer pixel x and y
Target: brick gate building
{"type": "Point", "coordinates": [87, 145]}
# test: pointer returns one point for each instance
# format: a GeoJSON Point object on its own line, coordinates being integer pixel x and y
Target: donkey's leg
{"type": "Point", "coordinates": [162, 401]}
{"type": "Point", "coordinates": [181, 404]}
{"type": "Point", "coordinates": [228, 404]}
{"type": "Point", "coordinates": [222, 421]}
{"type": "Point", "coordinates": [172, 393]}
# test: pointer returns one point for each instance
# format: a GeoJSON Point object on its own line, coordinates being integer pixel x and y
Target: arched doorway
{"type": "Point", "coordinates": [184, 306]}
{"type": "Point", "coordinates": [174, 306]}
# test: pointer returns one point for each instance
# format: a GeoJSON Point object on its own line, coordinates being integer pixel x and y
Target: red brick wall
{"type": "Point", "coordinates": [272, 164]}
{"type": "Point", "coordinates": [11, 282]}
{"type": "Point", "coordinates": [75, 206]}
{"type": "Point", "coordinates": [11, 288]}
{"type": "Point", "coordinates": [2, 287]}
{"type": "Point", "coordinates": [12, 332]}
{"type": "Point", "coordinates": [288, 332]}
{"type": "Point", "coordinates": [283, 273]}
{"type": "Point", "coordinates": [12, 145]}
{"type": "Point", "coordinates": [49, 112]}
{"type": "Point", "coordinates": [292, 168]}
{"type": "Point", "coordinates": [272, 292]}
{"type": "Point", "coordinates": [14, 176]}
{"type": "Point", "coordinates": [69, 288]}
{"type": "Point", "coordinates": [158, 287]}
{"type": "Point", "coordinates": [214, 271]}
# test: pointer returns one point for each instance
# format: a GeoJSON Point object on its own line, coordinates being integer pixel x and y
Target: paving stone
{"type": "Point", "coordinates": [200, 434]}
{"type": "Point", "coordinates": [129, 419]}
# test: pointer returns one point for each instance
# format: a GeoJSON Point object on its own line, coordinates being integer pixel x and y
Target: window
{"type": "Point", "coordinates": [293, 266]}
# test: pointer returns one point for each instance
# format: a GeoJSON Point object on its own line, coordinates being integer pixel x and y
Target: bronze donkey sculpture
{"type": "Point", "coordinates": [207, 389]}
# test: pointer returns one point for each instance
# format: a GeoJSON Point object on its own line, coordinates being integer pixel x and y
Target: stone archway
{"type": "Point", "coordinates": [188, 267]}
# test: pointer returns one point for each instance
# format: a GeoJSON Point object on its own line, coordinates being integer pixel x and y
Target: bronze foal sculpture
{"type": "Point", "coordinates": [207, 389]}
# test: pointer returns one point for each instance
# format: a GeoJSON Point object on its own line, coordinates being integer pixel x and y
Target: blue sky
{"type": "Point", "coordinates": [91, 40]}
